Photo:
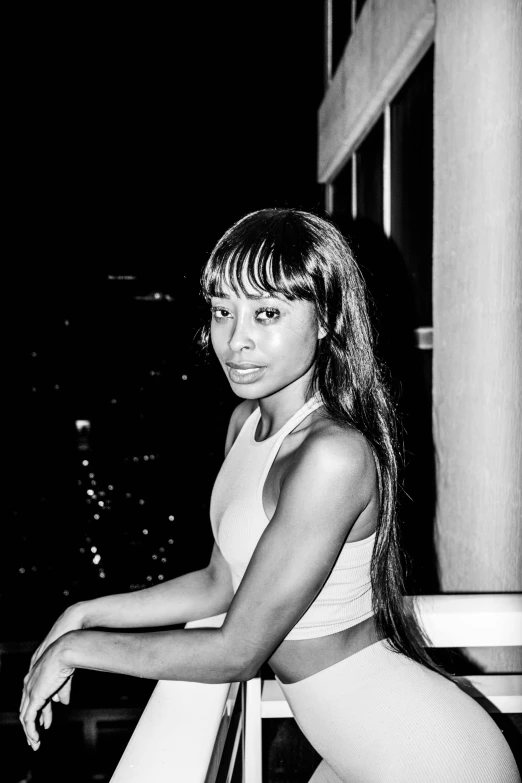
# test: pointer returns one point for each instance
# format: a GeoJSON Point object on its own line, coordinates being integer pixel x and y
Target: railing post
{"type": "Point", "coordinates": [252, 760]}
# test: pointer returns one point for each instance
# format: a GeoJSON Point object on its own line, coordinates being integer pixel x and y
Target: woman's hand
{"type": "Point", "coordinates": [45, 679]}
{"type": "Point", "coordinates": [73, 619]}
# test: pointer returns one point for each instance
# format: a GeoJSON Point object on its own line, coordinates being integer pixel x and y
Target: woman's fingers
{"type": "Point", "coordinates": [29, 718]}
{"type": "Point", "coordinates": [28, 721]}
{"type": "Point", "coordinates": [22, 705]}
{"type": "Point", "coordinates": [46, 716]}
{"type": "Point", "coordinates": [46, 679]}
{"type": "Point", "coordinates": [64, 694]}
{"type": "Point", "coordinates": [34, 659]}
{"type": "Point", "coordinates": [24, 699]}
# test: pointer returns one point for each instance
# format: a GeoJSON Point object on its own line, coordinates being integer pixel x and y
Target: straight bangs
{"type": "Point", "coordinates": [268, 262]}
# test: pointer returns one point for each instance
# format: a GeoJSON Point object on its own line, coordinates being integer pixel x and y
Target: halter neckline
{"type": "Point", "coordinates": [295, 419]}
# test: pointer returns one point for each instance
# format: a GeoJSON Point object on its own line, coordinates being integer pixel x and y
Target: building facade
{"type": "Point", "coordinates": [420, 138]}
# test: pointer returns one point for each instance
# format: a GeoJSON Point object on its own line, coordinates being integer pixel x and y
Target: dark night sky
{"type": "Point", "coordinates": [138, 137]}
{"type": "Point", "coordinates": [135, 139]}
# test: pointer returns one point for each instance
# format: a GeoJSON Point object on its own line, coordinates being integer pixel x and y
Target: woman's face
{"type": "Point", "coordinates": [264, 343]}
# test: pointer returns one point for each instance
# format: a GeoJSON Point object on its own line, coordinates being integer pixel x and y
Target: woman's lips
{"type": "Point", "coordinates": [244, 373]}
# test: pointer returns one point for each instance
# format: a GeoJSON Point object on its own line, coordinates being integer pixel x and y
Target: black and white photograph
{"type": "Point", "coordinates": [263, 418]}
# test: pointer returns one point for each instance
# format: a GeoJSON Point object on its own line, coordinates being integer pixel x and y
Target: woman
{"type": "Point", "coordinates": [306, 562]}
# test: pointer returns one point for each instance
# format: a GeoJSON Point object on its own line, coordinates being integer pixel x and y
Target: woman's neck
{"type": "Point", "coordinates": [279, 407]}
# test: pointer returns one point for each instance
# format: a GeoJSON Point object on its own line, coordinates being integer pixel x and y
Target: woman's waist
{"type": "Point", "coordinates": [294, 660]}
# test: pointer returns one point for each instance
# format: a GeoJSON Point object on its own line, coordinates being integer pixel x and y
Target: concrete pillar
{"type": "Point", "coordinates": [477, 299]}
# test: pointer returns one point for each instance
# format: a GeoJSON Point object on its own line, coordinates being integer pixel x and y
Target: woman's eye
{"type": "Point", "coordinates": [220, 313]}
{"type": "Point", "coordinates": [267, 314]}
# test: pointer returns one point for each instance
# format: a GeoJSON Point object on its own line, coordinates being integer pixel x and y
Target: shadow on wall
{"type": "Point", "coordinates": [408, 370]}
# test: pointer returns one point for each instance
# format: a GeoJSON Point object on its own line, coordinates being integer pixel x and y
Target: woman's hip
{"type": "Point", "coordinates": [379, 716]}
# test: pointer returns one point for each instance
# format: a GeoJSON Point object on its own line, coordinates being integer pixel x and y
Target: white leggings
{"type": "Point", "coordinates": [379, 717]}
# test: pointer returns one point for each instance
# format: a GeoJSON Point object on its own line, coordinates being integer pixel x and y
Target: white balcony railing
{"type": "Point", "coordinates": [183, 732]}
{"type": "Point", "coordinates": [176, 735]}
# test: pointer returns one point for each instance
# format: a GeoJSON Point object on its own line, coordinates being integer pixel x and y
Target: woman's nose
{"type": "Point", "coordinates": [241, 336]}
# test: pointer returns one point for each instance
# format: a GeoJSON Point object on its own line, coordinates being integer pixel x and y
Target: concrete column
{"type": "Point", "coordinates": [477, 299]}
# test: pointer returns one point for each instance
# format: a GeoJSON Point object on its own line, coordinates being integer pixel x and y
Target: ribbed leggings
{"type": "Point", "coordinates": [378, 717]}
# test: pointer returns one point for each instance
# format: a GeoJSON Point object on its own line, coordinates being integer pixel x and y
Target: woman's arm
{"type": "Point", "coordinates": [321, 497]}
{"type": "Point", "coordinates": [192, 596]}
{"type": "Point", "coordinates": [189, 597]}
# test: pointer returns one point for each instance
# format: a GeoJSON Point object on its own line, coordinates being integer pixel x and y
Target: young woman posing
{"type": "Point", "coordinates": [306, 562]}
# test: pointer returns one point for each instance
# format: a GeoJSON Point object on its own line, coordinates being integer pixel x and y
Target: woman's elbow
{"type": "Point", "coordinates": [242, 674]}
{"type": "Point", "coordinates": [243, 667]}
{"type": "Point", "coordinates": [247, 672]}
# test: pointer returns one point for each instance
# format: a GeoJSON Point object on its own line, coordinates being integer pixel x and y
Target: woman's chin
{"type": "Point", "coordinates": [247, 391]}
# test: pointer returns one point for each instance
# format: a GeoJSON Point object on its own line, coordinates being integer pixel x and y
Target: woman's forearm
{"type": "Point", "coordinates": [196, 655]}
{"type": "Point", "coordinates": [188, 597]}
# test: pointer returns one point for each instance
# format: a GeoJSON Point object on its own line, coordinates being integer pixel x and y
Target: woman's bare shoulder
{"type": "Point", "coordinates": [239, 415]}
{"type": "Point", "coordinates": [335, 447]}
{"type": "Point", "coordinates": [333, 465]}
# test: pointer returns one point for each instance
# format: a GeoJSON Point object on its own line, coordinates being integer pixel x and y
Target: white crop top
{"type": "Point", "coordinates": [238, 521]}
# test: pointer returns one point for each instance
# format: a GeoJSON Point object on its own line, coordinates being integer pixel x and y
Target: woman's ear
{"type": "Point", "coordinates": [321, 332]}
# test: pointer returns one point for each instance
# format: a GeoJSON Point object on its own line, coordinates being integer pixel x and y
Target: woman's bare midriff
{"type": "Point", "coordinates": [295, 660]}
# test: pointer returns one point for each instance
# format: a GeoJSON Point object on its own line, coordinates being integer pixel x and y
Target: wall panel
{"type": "Point", "coordinates": [478, 297]}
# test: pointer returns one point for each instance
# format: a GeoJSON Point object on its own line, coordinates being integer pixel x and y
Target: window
{"type": "Point", "coordinates": [342, 188]}
{"type": "Point", "coordinates": [369, 160]}
{"type": "Point", "coordinates": [383, 200]}
{"type": "Point", "coordinates": [411, 162]}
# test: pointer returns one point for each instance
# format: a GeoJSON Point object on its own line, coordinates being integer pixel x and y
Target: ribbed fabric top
{"type": "Point", "coordinates": [238, 521]}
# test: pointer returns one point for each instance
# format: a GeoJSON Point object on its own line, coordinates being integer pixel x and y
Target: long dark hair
{"type": "Point", "coordinates": [303, 256]}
